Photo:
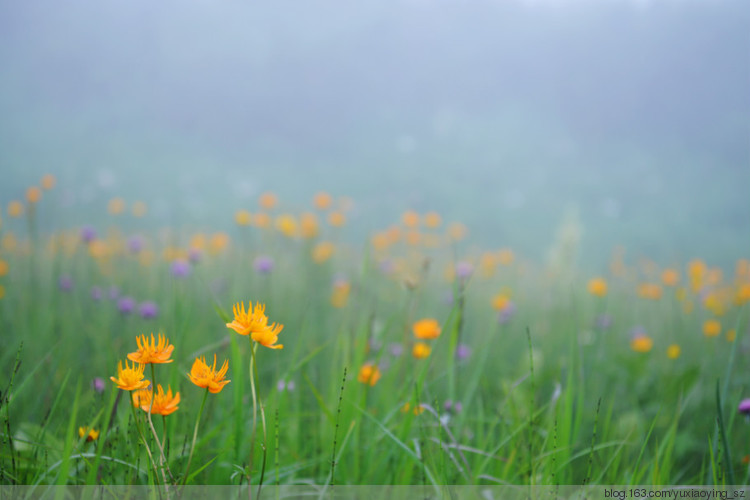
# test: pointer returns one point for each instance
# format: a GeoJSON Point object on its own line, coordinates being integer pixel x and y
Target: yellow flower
{"type": "Point", "coordinates": [421, 350]}
{"type": "Point", "coordinates": [322, 200]}
{"type": "Point", "coordinates": [153, 351]}
{"type": "Point", "coordinates": [369, 374]}
{"type": "Point", "coordinates": [163, 404]}
{"type": "Point", "coordinates": [206, 376]}
{"type": "Point", "coordinates": [426, 328]}
{"type": "Point", "coordinates": [500, 301]}
{"type": "Point", "coordinates": [598, 287]}
{"type": "Point", "coordinates": [670, 277]}
{"type": "Point", "coordinates": [336, 219]}
{"type": "Point", "coordinates": [262, 220]}
{"type": "Point", "coordinates": [457, 231]}
{"type": "Point", "coordinates": [91, 434]}
{"type": "Point", "coordinates": [418, 410]}
{"type": "Point", "coordinates": [48, 181]}
{"type": "Point", "coordinates": [287, 225]}
{"type": "Point", "coordinates": [116, 206]}
{"type": "Point", "coordinates": [242, 218]}
{"type": "Point", "coordinates": [3, 267]}
{"type": "Point", "coordinates": [308, 223]}
{"type": "Point", "coordinates": [15, 208]}
{"type": "Point", "coordinates": [731, 335]}
{"type": "Point", "coordinates": [130, 379]}
{"type": "Point", "coordinates": [673, 351]}
{"type": "Point", "coordinates": [410, 219]}
{"type": "Point", "coordinates": [255, 323]}
{"type": "Point", "coordinates": [650, 291]}
{"type": "Point", "coordinates": [340, 294]}
{"type": "Point", "coordinates": [33, 194]}
{"type": "Point", "coordinates": [711, 327]}
{"type": "Point", "coordinates": [432, 219]}
{"type": "Point", "coordinates": [641, 343]}
{"type": "Point", "coordinates": [267, 200]}
{"type": "Point", "coordinates": [323, 251]}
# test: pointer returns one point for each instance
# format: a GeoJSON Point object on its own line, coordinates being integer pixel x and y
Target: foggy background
{"type": "Point", "coordinates": [502, 114]}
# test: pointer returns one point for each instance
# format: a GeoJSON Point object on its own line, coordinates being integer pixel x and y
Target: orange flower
{"type": "Point", "coordinates": [206, 376]}
{"type": "Point", "coordinates": [48, 181]}
{"type": "Point", "coordinates": [242, 218]}
{"type": "Point", "coordinates": [163, 404]}
{"type": "Point", "coordinates": [641, 343]}
{"type": "Point", "coordinates": [268, 200]}
{"type": "Point", "coordinates": [33, 194]}
{"type": "Point", "coordinates": [116, 206]}
{"type": "Point", "coordinates": [130, 379]}
{"type": "Point", "coordinates": [336, 219]}
{"type": "Point", "coordinates": [410, 219]}
{"type": "Point", "coordinates": [15, 208]}
{"type": "Point", "coordinates": [598, 287]}
{"type": "Point", "coordinates": [673, 351]}
{"type": "Point", "coordinates": [369, 374]}
{"type": "Point", "coordinates": [711, 327]}
{"type": "Point", "coordinates": [426, 328]}
{"type": "Point", "coordinates": [255, 323]}
{"type": "Point", "coordinates": [153, 351]}
{"type": "Point", "coordinates": [421, 350]}
{"type": "Point", "coordinates": [322, 200]}
{"type": "Point", "coordinates": [670, 277]}
{"type": "Point", "coordinates": [139, 209]}
{"type": "Point", "coordinates": [432, 219]}
{"type": "Point", "coordinates": [91, 434]}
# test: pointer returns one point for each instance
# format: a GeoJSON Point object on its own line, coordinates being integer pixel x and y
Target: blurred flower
{"type": "Point", "coordinates": [457, 231]}
{"type": "Point", "coordinates": [33, 194]}
{"type": "Point", "coordinates": [651, 291]}
{"type": "Point", "coordinates": [603, 321]}
{"type": "Point", "coordinates": [162, 404]}
{"type": "Point", "coordinates": [116, 206]}
{"type": "Point", "coordinates": [308, 223]}
{"type": "Point", "coordinates": [91, 435]}
{"type": "Point", "coordinates": [65, 283]}
{"type": "Point", "coordinates": [432, 220]}
{"type": "Point", "coordinates": [243, 218]}
{"type": "Point", "coordinates": [208, 377]}
{"type": "Point", "coordinates": [139, 209]}
{"type": "Point", "coordinates": [744, 407]}
{"type": "Point", "coordinates": [263, 264]}
{"type": "Point", "coordinates": [88, 234]}
{"type": "Point", "coordinates": [711, 327]}
{"type": "Point", "coordinates": [135, 244]}
{"type": "Point", "coordinates": [15, 208]}
{"type": "Point", "coordinates": [336, 219]}
{"type": "Point", "coordinates": [156, 351]}
{"type": "Point", "coordinates": [114, 292]}
{"type": "Point", "coordinates": [369, 374]}
{"type": "Point", "coordinates": [195, 255]}
{"type": "Point", "coordinates": [464, 270]}
{"type": "Point", "coordinates": [426, 328]}
{"type": "Point", "coordinates": [418, 410]}
{"type": "Point", "coordinates": [267, 200]}
{"type": "Point", "coordinates": [507, 313]}
{"type": "Point", "coordinates": [340, 293]}
{"type": "Point", "coordinates": [130, 379]}
{"type": "Point", "coordinates": [262, 220]}
{"type": "Point", "coordinates": [410, 219]}
{"type": "Point", "coordinates": [98, 384]}
{"type": "Point", "coordinates": [126, 305]}
{"type": "Point", "coordinates": [281, 385]}
{"type": "Point", "coordinates": [396, 349]}
{"type": "Point", "coordinates": [670, 277]}
{"type": "Point", "coordinates": [673, 351]}
{"type": "Point", "coordinates": [454, 407]}
{"type": "Point", "coordinates": [505, 256]}
{"type": "Point", "coordinates": [731, 335]}
{"type": "Point", "coordinates": [180, 268]}
{"type": "Point", "coordinates": [421, 350]}
{"type": "Point", "coordinates": [254, 322]}
{"type": "Point", "coordinates": [500, 301]}
{"type": "Point", "coordinates": [463, 351]}
{"type": "Point", "coordinates": [322, 201]}
{"type": "Point", "coordinates": [48, 181]}
{"type": "Point", "coordinates": [387, 266]}
{"type": "Point", "coordinates": [641, 343]}
{"type": "Point", "coordinates": [598, 287]}
{"type": "Point", "coordinates": [287, 225]}
{"type": "Point", "coordinates": [3, 267]}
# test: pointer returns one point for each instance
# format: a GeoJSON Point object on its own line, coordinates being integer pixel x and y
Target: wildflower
{"type": "Point", "coordinates": [457, 231]}
{"type": "Point", "coordinates": [641, 343]}
{"type": "Point", "coordinates": [464, 270]}
{"type": "Point", "coordinates": [2, 291]}
{"type": "Point", "coordinates": [673, 351]}
{"type": "Point", "coordinates": [463, 351]}
{"type": "Point", "coordinates": [670, 277]}
{"type": "Point", "coordinates": [65, 283]}
{"type": "Point", "coordinates": [323, 251]}
{"type": "Point", "coordinates": [155, 351]}
{"type": "Point", "coordinates": [126, 305]}
{"type": "Point", "coordinates": [3, 267]}
{"type": "Point", "coordinates": [340, 293]}
{"type": "Point", "coordinates": [91, 434]}
{"type": "Point", "coordinates": [163, 404]}
{"type": "Point", "coordinates": [148, 309]}
{"type": "Point", "coordinates": [287, 225]}
{"type": "Point", "coordinates": [139, 209]}
{"type": "Point", "coordinates": [322, 201]}
{"type": "Point", "coordinates": [98, 385]}
{"type": "Point", "coordinates": [416, 411]}
{"type": "Point", "coordinates": [242, 218]}
{"type": "Point", "coordinates": [369, 374]}
{"type": "Point", "coordinates": [130, 379]}
{"type": "Point", "coordinates": [505, 256]}
{"type": "Point", "coordinates": [308, 223]}
{"type": "Point", "coordinates": [15, 208]}
{"type": "Point", "coordinates": [263, 264]}
{"type": "Point", "coordinates": [426, 328]}
{"type": "Point", "coordinates": [711, 327]}
{"type": "Point", "coordinates": [255, 323]}
{"type": "Point", "coordinates": [603, 321]}
{"type": "Point", "coordinates": [206, 376]}
{"type": "Point", "coordinates": [396, 349]}
{"type": "Point", "coordinates": [650, 291]}
{"type": "Point", "coordinates": [281, 385]}
{"type": "Point", "coordinates": [432, 220]}
{"type": "Point", "coordinates": [116, 206]}
{"type": "Point", "coordinates": [500, 301]}
{"type": "Point", "coordinates": [33, 194]}
{"type": "Point", "coordinates": [195, 255]}
{"type": "Point", "coordinates": [48, 182]}
{"type": "Point", "coordinates": [410, 219]}
{"type": "Point", "coordinates": [336, 219]}
{"type": "Point", "coordinates": [744, 407]}
{"type": "Point", "coordinates": [598, 287]}
{"type": "Point", "coordinates": [180, 268]}
{"type": "Point", "coordinates": [88, 234]}
{"type": "Point", "coordinates": [135, 244]}
{"type": "Point", "coordinates": [267, 200]}
{"type": "Point", "coordinates": [731, 335]}
{"type": "Point", "coordinates": [507, 313]}
{"type": "Point", "coordinates": [421, 350]}
{"type": "Point", "coordinates": [262, 220]}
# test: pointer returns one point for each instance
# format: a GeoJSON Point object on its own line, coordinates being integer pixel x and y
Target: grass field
{"type": "Point", "coordinates": [411, 358]}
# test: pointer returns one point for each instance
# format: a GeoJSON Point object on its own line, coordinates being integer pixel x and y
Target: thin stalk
{"type": "Point", "coordinates": [195, 436]}
{"type": "Point", "coordinates": [162, 459]}
{"type": "Point", "coordinates": [143, 439]}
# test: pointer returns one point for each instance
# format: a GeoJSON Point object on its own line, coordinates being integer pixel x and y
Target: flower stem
{"type": "Point", "coordinates": [257, 403]}
{"type": "Point", "coordinates": [162, 459]}
{"type": "Point", "coordinates": [143, 439]}
{"type": "Point", "coordinates": [195, 436]}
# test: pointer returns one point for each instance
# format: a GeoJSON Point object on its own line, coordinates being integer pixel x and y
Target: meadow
{"type": "Point", "coordinates": [285, 353]}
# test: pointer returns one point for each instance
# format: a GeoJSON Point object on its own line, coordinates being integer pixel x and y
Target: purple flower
{"type": "Point", "coordinates": [88, 234]}
{"type": "Point", "coordinates": [135, 244]}
{"type": "Point", "coordinates": [98, 384]}
{"type": "Point", "coordinates": [114, 292]}
{"type": "Point", "coordinates": [463, 351]}
{"type": "Point", "coordinates": [281, 385]}
{"type": "Point", "coordinates": [148, 309]}
{"type": "Point", "coordinates": [603, 321]}
{"type": "Point", "coordinates": [96, 293]}
{"type": "Point", "coordinates": [396, 349]}
{"type": "Point", "coordinates": [387, 266]}
{"type": "Point", "coordinates": [195, 255]}
{"type": "Point", "coordinates": [507, 313]}
{"type": "Point", "coordinates": [464, 269]}
{"type": "Point", "coordinates": [637, 331]}
{"type": "Point", "coordinates": [180, 268]}
{"type": "Point", "coordinates": [263, 264]}
{"type": "Point", "coordinates": [126, 305]}
{"type": "Point", "coordinates": [744, 407]}
{"type": "Point", "coordinates": [65, 283]}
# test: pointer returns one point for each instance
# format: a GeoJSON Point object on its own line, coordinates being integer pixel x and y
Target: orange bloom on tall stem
{"type": "Point", "coordinates": [427, 328]}
{"type": "Point", "coordinates": [153, 351]}
{"type": "Point", "coordinates": [208, 377]}
{"type": "Point", "coordinates": [163, 404]}
{"type": "Point", "coordinates": [254, 322]}
{"type": "Point", "coordinates": [369, 374]}
{"type": "Point", "coordinates": [130, 379]}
